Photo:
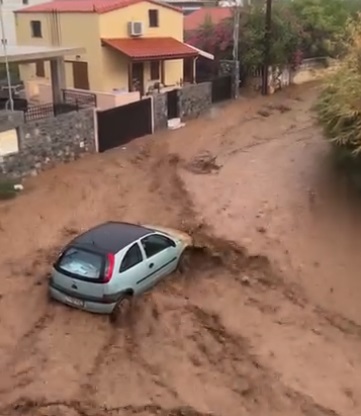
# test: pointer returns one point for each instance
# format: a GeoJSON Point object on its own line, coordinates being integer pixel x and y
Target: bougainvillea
{"type": "Point", "coordinates": [215, 39]}
{"type": "Point", "coordinates": [301, 28]}
{"type": "Point", "coordinates": [218, 39]}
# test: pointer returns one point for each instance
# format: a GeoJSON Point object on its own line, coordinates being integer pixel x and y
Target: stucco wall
{"type": "Point", "coordinates": [115, 24]}
{"type": "Point", "coordinates": [43, 143]}
{"type": "Point", "coordinates": [64, 29]}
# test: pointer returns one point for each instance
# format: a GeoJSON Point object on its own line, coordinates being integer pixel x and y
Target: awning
{"type": "Point", "coordinates": [146, 49]}
{"type": "Point", "coordinates": [205, 54]}
{"type": "Point", "coordinates": [20, 53]}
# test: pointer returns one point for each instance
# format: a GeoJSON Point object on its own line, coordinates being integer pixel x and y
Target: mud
{"type": "Point", "coordinates": [203, 163]}
{"type": "Point", "coordinates": [225, 338]}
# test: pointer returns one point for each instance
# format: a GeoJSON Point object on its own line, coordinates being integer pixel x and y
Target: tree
{"type": "Point", "coordinates": [218, 39]}
{"type": "Point", "coordinates": [285, 36]}
{"type": "Point", "coordinates": [300, 28]}
{"type": "Point", "coordinates": [323, 24]}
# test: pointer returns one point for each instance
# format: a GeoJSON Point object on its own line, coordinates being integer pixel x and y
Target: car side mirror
{"type": "Point", "coordinates": [173, 244]}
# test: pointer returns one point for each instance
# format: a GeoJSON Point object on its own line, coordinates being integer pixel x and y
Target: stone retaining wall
{"type": "Point", "coordinates": [160, 111]}
{"type": "Point", "coordinates": [43, 143]}
{"type": "Point", "coordinates": [195, 99]}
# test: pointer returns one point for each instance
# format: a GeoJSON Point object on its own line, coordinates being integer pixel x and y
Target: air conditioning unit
{"type": "Point", "coordinates": [135, 28]}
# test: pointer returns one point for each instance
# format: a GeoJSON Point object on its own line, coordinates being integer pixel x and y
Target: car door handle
{"type": "Point", "coordinates": [151, 265]}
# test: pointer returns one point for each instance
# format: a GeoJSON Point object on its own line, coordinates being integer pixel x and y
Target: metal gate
{"type": "Point", "coordinates": [120, 125]}
{"type": "Point", "coordinates": [173, 104]}
{"type": "Point", "coordinates": [221, 88]}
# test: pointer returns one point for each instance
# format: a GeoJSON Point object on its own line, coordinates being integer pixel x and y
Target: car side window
{"type": "Point", "coordinates": [132, 258]}
{"type": "Point", "coordinates": [154, 244]}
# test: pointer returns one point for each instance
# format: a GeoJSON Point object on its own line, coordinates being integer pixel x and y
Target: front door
{"type": "Point", "coordinates": [80, 75]}
{"type": "Point", "coordinates": [138, 77]}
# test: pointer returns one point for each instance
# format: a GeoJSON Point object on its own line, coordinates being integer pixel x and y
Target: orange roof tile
{"type": "Point", "coordinates": [87, 6]}
{"type": "Point", "coordinates": [141, 49]}
{"type": "Point", "coordinates": [196, 19]}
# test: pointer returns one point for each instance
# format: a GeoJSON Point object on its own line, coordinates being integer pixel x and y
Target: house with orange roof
{"type": "Point", "coordinates": [214, 15]}
{"type": "Point", "coordinates": [131, 45]}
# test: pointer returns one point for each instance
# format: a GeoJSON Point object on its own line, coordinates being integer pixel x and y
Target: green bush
{"type": "Point", "coordinates": [339, 106]}
{"type": "Point", "coordinates": [7, 190]}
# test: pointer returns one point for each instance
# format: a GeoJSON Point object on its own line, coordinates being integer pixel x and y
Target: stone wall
{"type": "Point", "coordinates": [195, 99]}
{"type": "Point", "coordinates": [160, 111]}
{"type": "Point", "coordinates": [43, 143]}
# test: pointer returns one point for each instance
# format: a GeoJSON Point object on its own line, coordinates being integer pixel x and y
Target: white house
{"type": "Point", "coordinates": [8, 7]}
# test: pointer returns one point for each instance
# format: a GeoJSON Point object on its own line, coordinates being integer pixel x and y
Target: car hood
{"type": "Point", "coordinates": [176, 234]}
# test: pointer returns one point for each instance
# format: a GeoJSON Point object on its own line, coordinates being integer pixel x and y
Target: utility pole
{"type": "Point", "coordinates": [267, 46]}
{"type": "Point", "coordinates": [235, 78]}
{"type": "Point", "coordinates": [4, 41]}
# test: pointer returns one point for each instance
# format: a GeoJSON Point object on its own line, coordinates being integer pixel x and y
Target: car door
{"type": "Point", "coordinates": [132, 270]}
{"type": "Point", "coordinates": [161, 257]}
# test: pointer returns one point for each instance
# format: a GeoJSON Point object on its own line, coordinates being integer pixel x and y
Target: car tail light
{"type": "Point", "coordinates": [109, 267]}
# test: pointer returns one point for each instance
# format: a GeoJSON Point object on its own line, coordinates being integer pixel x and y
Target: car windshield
{"type": "Point", "coordinates": [81, 263]}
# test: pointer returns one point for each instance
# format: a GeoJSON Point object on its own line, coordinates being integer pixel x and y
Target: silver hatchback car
{"type": "Point", "coordinates": [112, 262]}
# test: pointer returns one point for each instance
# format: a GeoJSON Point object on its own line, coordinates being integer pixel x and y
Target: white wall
{"type": "Point", "coordinates": [8, 7]}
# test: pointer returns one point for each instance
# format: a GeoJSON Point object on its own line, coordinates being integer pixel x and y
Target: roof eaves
{"type": "Point", "coordinates": [29, 10]}
{"type": "Point", "coordinates": [98, 10]}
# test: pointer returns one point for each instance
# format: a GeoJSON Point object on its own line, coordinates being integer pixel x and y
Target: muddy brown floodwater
{"type": "Point", "coordinates": [267, 320]}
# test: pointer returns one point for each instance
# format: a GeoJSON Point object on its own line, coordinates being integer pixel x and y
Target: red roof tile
{"type": "Point", "coordinates": [215, 14]}
{"type": "Point", "coordinates": [87, 6]}
{"type": "Point", "coordinates": [151, 48]}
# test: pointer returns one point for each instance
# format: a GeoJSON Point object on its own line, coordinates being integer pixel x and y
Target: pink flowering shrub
{"type": "Point", "coordinates": [215, 39]}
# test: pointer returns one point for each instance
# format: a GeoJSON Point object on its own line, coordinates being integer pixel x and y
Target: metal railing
{"type": "Point", "coordinates": [72, 101]}
{"type": "Point", "coordinates": [41, 111]}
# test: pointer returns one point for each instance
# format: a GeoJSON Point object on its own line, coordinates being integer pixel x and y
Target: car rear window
{"type": "Point", "coordinates": [81, 263]}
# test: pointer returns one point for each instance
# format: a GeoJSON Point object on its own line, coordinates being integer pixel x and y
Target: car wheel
{"type": "Point", "coordinates": [184, 262]}
{"type": "Point", "coordinates": [122, 310]}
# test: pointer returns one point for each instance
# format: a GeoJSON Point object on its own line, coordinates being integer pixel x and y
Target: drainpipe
{"type": "Point", "coordinates": [195, 70]}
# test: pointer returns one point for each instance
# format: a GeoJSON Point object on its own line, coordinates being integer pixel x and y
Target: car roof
{"type": "Point", "coordinates": [110, 237]}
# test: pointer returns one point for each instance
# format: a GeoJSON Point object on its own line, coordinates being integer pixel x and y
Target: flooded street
{"type": "Point", "coordinates": [266, 321]}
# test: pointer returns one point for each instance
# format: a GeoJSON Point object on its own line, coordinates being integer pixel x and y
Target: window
{"type": "Point", "coordinates": [154, 244]}
{"type": "Point", "coordinates": [40, 69]}
{"type": "Point", "coordinates": [81, 263]}
{"type": "Point", "coordinates": [4, 41]}
{"type": "Point", "coordinates": [154, 70]}
{"type": "Point", "coordinates": [153, 18]}
{"type": "Point", "coordinates": [25, 1]}
{"type": "Point", "coordinates": [132, 258]}
{"type": "Point", "coordinates": [35, 28]}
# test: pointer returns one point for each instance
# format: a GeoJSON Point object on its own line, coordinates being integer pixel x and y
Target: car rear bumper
{"type": "Point", "coordinates": [83, 304]}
